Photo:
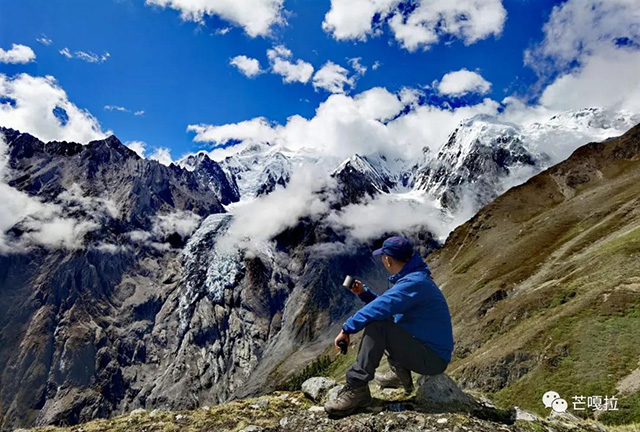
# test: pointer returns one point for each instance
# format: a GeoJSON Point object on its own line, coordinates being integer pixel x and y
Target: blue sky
{"type": "Point", "coordinates": [178, 71]}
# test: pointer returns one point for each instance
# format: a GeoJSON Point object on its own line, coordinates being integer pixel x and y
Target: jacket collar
{"type": "Point", "coordinates": [413, 265]}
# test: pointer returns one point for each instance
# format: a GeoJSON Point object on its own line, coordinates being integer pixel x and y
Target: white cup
{"type": "Point", "coordinates": [348, 282]}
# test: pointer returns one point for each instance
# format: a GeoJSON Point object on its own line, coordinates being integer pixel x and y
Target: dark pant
{"type": "Point", "coordinates": [403, 350]}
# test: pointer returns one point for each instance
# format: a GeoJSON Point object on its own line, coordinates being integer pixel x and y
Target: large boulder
{"type": "Point", "coordinates": [315, 388]}
{"type": "Point", "coordinates": [442, 390]}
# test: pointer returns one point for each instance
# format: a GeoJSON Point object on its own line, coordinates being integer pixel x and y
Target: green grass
{"type": "Point", "coordinates": [599, 352]}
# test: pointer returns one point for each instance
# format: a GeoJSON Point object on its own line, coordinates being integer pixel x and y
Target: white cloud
{"type": "Point", "coordinates": [43, 109]}
{"type": "Point", "coordinates": [577, 29]}
{"type": "Point", "coordinates": [140, 147]}
{"type": "Point", "coordinates": [255, 130]}
{"type": "Point", "coordinates": [44, 40]}
{"type": "Point", "coordinates": [421, 27]}
{"type": "Point", "coordinates": [115, 108]}
{"type": "Point", "coordinates": [162, 155]}
{"type": "Point", "coordinates": [123, 109]}
{"type": "Point", "coordinates": [17, 54]}
{"type": "Point", "coordinates": [358, 67]}
{"type": "Point", "coordinates": [181, 222]}
{"type": "Point", "coordinates": [65, 52]}
{"type": "Point", "coordinates": [42, 223]}
{"type": "Point", "coordinates": [86, 56]}
{"type": "Point", "coordinates": [376, 65]}
{"type": "Point", "coordinates": [344, 125]}
{"type": "Point", "coordinates": [333, 78]}
{"type": "Point", "coordinates": [608, 79]}
{"type": "Point", "coordinates": [390, 213]}
{"type": "Point", "coordinates": [256, 17]}
{"type": "Point", "coordinates": [250, 67]}
{"type": "Point", "coordinates": [462, 82]}
{"type": "Point", "coordinates": [281, 64]}
{"type": "Point", "coordinates": [279, 210]}
{"type": "Point", "coordinates": [590, 50]}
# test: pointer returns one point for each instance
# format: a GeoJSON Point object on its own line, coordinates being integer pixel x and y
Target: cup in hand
{"type": "Point", "coordinates": [348, 282]}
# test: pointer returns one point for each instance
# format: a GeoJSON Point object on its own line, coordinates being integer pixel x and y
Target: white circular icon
{"type": "Point", "coordinates": [559, 405]}
{"type": "Point", "coordinates": [549, 397]}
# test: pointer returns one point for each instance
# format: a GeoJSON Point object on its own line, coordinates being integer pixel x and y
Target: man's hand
{"type": "Point", "coordinates": [357, 287]}
{"type": "Point", "coordinates": [341, 337]}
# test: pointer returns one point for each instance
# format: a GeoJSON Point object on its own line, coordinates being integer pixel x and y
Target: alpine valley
{"type": "Point", "coordinates": [129, 284]}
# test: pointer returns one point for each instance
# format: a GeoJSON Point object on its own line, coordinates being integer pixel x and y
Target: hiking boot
{"type": "Point", "coordinates": [398, 377]}
{"type": "Point", "coordinates": [349, 399]}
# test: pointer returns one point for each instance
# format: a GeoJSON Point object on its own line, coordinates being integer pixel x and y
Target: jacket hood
{"type": "Point", "coordinates": [415, 264]}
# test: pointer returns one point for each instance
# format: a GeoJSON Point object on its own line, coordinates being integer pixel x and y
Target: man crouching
{"type": "Point", "coordinates": [410, 322]}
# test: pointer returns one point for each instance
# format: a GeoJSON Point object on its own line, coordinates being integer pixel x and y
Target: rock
{"type": "Point", "coordinates": [525, 415]}
{"type": "Point", "coordinates": [442, 421]}
{"type": "Point", "coordinates": [138, 411]}
{"type": "Point", "coordinates": [334, 392]}
{"type": "Point", "coordinates": [284, 421]}
{"type": "Point", "coordinates": [442, 390]}
{"type": "Point", "coordinates": [252, 428]}
{"type": "Point", "coordinates": [154, 413]}
{"type": "Point", "coordinates": [314, 388]}
{"type": "Point", "coordinates": [179, 417]}
{"type": "Point", "coordinates": [262, 403]}
{"type": "Point", "coordinates": [316, 408]}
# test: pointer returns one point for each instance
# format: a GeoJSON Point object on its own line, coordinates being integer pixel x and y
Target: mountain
{"type": "Point", "coordinates": [145, 293]}
{"type": "Point", "coordinates": [485, 156]}
{"type": "Point", "coordinates": [119, 291]}
{"type": "Point", "coordinates": [544, 284]}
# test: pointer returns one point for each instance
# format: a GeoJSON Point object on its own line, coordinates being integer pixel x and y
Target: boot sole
{"type": "Point", "coordinates": [345, 413]}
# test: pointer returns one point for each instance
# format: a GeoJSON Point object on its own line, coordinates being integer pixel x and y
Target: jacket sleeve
{"type": "Point", "coordinates": [368, 296]}
{"type": "Point", "coordinates": [402, 296]}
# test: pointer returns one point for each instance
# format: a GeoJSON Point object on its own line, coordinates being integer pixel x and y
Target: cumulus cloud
{"type": "Point", "coordinates": [257, 130]}
{"type": "Point", "coordinates": [368, 122]}
{"type": "Point", "coordinates": [18, 54]}
{"type": "Point", "coordinates": [140, 147]}
{"type": "Point", "coordinates": [281, 64]}
{"type": "Point", "coordinates": [256, 17]}
{"type": "Point", "coordinates": [418, 27]}
{"type": "Point", "coordinates": [249, 67]}
{"type": "Point", "coordinates": [162, 155]}
{"type": "Point", "coordinates": [606, 79]}
{"type": "Point", "coordinates": [461, 82]}
{"type": "Point", "coordinates": [590, 55]}
{"type": "Point", "coordinates": [333, 78]}
{"type": "Point", "coordinates": [577, 29]}
{"type": "Point", "coordinates": [41, 107]}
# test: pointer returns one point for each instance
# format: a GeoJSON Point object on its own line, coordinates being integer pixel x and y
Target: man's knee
{"type": "Point", "coordinates": [378, 326]}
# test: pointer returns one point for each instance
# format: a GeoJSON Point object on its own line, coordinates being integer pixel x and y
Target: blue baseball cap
{"type": "Point", "coordinates": [396, 247]}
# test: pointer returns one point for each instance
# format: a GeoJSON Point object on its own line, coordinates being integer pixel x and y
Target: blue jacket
{"type": "Point", "coordinates": [415, 303]}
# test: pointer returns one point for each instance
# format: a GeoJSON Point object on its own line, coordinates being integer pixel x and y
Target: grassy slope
{"type": "Point", "coordinates": [544, 283]}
